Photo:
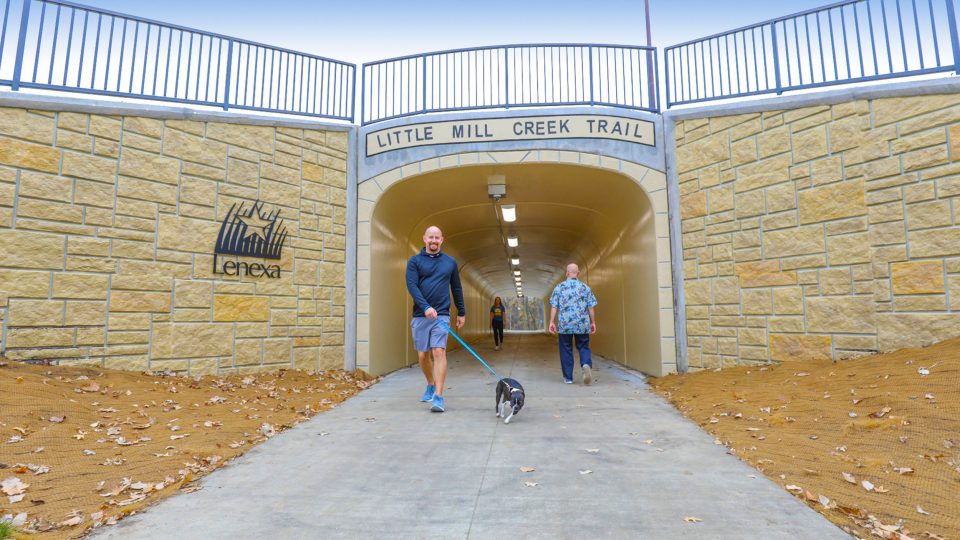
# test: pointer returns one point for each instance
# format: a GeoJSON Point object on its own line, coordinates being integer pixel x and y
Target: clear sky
{"type": "Point", "coordinates": [364, 30]}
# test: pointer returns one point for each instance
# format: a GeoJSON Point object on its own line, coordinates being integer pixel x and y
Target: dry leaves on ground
{"type": "Point", "coordinates": [82, 447]}
{"type": "Point", "coordinates": [869, 442]}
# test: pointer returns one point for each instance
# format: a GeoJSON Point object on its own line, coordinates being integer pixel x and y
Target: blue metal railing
{"type": "Point", "coordinates": [509, 76]}
{"type": "Point", "coordinates": [59, 45]}
{"type": "Point", "coordinates": [846, 42]}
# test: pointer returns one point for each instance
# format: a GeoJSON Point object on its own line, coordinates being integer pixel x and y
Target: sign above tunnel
{"type": "Point", "coordinates": [516, 128]}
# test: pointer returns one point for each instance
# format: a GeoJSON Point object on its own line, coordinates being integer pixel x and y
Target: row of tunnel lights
{"type": "Point", "coordinates": [509, 212]}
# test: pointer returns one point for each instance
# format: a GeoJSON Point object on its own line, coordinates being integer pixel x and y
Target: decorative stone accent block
{"type": "Point", "coordinates": [921, 277]}
{"type": "Point", "coordinates": [799, 347]}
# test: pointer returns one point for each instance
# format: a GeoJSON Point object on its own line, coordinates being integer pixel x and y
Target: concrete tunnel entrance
{"type": "Point", "coordinates": [601, 219]}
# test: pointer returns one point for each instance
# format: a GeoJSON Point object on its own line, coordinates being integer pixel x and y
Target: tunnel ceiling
{"type": "Point", "coordinates": [565, 213]}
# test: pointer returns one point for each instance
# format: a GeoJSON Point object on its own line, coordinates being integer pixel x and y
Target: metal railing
{"type": "Point", "coordinates": [509, 76]}
{"type": "Point", "coordinates": [846, 42]}
{"type": "Point", "coordinates": [62, 46]}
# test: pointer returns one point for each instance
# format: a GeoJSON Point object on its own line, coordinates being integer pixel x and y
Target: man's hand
{"type": "Point", "coordinates": [553, 328]}
{"type": "Point", "coordinates": [461, 320]}
{"type": "Point", "coordinates": [431, 314]}
{"type": "Point", "coordinates": [593, 328]}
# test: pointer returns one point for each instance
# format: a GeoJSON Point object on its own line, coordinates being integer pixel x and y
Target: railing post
{"type": "Point", "coordinates": [652, 74]}
{"type": "Point", "coordinates": [666, 76]}
{"type": "Point", "coordinates": [776, 56]}
{"type": "Point", "coordinates": [954, 40]}
{"type": "Point", "coordinates": [423, 57]}
{"type": "Point", "coordinates": [226, 84]}
{"type": "Point", "coordinates": [590, 70]}
{"type": "Point", "coordinates": [363, 91]}
{"type": "Point", "coordinates": [353, 95]}
{"type": "Point", "coordinates": [506, 77]}
{"type": "Point", "coordinates": [18, 66]}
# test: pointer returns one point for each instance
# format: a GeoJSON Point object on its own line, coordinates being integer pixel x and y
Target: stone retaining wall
{"type": "Point", "coordinates": [821, 232]}
{"type": "Point", "coordinates": [108, 226]}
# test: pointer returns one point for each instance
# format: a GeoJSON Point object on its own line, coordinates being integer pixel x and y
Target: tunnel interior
{"type": "Point", "coordinates": [599, 219]}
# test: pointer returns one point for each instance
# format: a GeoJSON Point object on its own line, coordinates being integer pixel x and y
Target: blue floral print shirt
{"type": "Point", "coordinates": [573, 298]}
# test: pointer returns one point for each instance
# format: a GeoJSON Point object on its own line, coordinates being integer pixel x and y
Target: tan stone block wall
{"type": "Point", "coordinates": [107, 231]}
{"type": "Point", "coordinates": [820, 232]}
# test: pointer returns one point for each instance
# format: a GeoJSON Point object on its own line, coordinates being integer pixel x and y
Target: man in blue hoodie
{"type": "Point", "coordinates": [430, 277]}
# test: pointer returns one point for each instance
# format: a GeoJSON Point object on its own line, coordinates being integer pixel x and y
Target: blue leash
{"type": "Point", "coordinates": [475, 355]}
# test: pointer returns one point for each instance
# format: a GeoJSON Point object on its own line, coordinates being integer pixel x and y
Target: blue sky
{"type": "Point", "coordinates": [364, 30]}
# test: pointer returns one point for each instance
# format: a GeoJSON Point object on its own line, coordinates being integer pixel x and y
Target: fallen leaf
{"type": "Point", "coordinates": [13, 486]}
{"type": "Point", "coordinates": [824, 501]}
{"type": "Point", "coordinates": [798, 489]}
{"type": "Point", "coordinates": [867, 485]}
{"type": "Point", "coordinates": [883, 412]}
{"type": "Point", "coordinates": [849, 478]}
{"type": "Point", "coordinates": [527, 469]}
{"type": "Point", "coordinates": [922, 511]}
{"type": "Point", "coordinates": [57, 419]}
{"type": "Point", "coordinates": [588, 471]}
{"type": "Point", "coordinates": [691, 519]}
{"type": "Point", "coordinates": [593, 450]}
{"type": "Point", "coordinates": [531, 484]}
{"type": "Point", "coordinates": [903, 470]}
{"type": "Point", "coordinates": [90, 387]}
{"type": "Point", "coordinates": [923, 371]}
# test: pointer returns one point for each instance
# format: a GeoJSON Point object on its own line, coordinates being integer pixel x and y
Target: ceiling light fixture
{"type": "Point", "coordinates": [513, 241]}
{"type": "Point", "coordinates": [516, 272]}
{"type": "Point", "coordinates": [509, 212]}
{"type": "Point", "coordinates": [515, 261]}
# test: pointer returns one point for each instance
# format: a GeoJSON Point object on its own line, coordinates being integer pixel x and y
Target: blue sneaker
{"type": "Point", "coordinates": [428, 393]}
{"type": "Point", "coordinates": [437, 404]}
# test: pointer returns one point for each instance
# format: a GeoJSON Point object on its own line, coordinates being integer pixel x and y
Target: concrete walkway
{"type": "Point", "coordinates": [382, 466]}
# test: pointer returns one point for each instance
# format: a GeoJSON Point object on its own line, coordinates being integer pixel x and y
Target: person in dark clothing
{"type": "Point", "coordinates": [496, 322]}
{"type": "Point", "coordinates": [431, 275]}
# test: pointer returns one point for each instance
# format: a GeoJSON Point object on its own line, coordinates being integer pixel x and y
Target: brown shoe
{"type": "Point", "coordinates": [587, 375]}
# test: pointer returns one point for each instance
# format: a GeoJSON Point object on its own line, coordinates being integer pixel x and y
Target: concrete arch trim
{"type": "Point", "coordinates": [653, 183]}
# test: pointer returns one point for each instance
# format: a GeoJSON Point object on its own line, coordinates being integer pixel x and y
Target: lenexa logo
{"type": "Point", "coordinates": [250, 232]}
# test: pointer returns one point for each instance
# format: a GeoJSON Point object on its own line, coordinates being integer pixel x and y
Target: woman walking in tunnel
{"type": "Point", "coordinates": [496, 322]}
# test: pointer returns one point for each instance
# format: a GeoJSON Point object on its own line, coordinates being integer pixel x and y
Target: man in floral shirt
{"type": "Point", "coordinates": [574, 301]}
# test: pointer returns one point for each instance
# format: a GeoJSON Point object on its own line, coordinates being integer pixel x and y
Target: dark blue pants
{"type": "Point", "coordinates": [566, 352]}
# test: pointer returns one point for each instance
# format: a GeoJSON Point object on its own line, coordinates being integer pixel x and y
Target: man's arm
{"type": "Point", "coordinates": [458, 296]}
{"type": "Point", "coordinates": [593, 321]}
{"type": "Point", "coordinates": [413, 277]}
{"type": "Point", "coordinates": [553, 317]}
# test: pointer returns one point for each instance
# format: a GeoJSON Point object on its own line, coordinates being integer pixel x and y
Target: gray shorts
{"type": "Point", "coordinates": [428, 334]}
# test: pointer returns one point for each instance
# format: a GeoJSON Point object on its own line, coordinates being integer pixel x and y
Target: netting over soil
{"type": "Point", "coordinates": [873, 443]}
{"type": "Point", "coordinates": [82, 446]}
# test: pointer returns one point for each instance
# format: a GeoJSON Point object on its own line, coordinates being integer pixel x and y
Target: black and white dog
{"type": "Point", "coordinates": [509, 392]}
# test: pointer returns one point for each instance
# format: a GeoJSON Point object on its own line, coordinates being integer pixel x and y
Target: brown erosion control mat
{"type": "Point", "coordinates": [873, 443]}
{"type": "Point", "coordinates": [82, 447]}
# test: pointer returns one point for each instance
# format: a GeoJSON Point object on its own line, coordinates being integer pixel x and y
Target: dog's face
{"type": "Point", "coordinates": [516, 401]}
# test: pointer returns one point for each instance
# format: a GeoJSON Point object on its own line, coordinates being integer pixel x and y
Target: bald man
{"type": "Point", "coordinates": [431, 275]}
{"type": "Point", "coordinates": [574, 301]}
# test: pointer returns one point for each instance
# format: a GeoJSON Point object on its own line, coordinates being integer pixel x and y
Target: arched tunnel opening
{"type": "Point", "coordinates": [597, 218]}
